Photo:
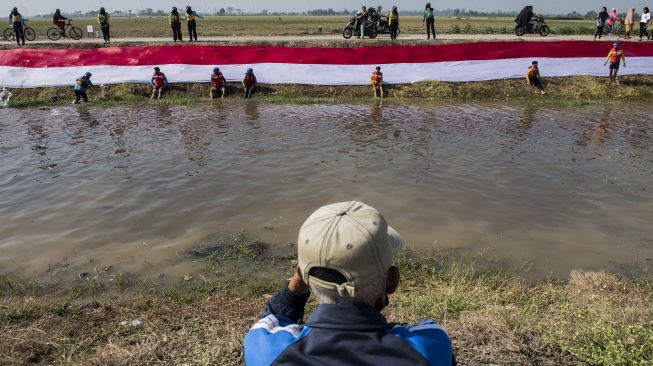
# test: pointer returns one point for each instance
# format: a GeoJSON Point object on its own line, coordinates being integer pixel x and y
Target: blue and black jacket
{"type": "Point", "coordinates": [341, 335]}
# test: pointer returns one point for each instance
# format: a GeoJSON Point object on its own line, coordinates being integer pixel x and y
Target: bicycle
{"type": "Point", "coordinates": [73, 32]}
{"type": "Point", "coordinates": [615, 29]}
{"type": "Point", "coordinates": [10, 35]}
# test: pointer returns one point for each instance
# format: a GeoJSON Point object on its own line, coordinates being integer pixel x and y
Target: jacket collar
{"type": "Point", "coordinates": [346, 317]}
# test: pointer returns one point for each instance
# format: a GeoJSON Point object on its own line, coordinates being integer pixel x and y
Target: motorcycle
{"type": "Point", "coordinates": [351, 29]}
{"type": "Point", "coordinates": [537, 26]}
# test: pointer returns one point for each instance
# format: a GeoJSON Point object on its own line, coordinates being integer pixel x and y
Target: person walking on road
{"type": "Point", "coordinates": [429, 21]}
{"type": "Point", "coordinates": [192, 23]}
{"type": "Point", "coordinates": [18, 25]}
{"type": "Point", "coordinates": [615, 56]}
{"type": "Point", "coordinates": [643, 24]}
{"type": "Point", "coordinates": [629, 22]}
{"type": "Point", "coordinates": [103, 19]}
{"type": "Point", "coordinates": [175, 24]}
{"type": "Point", "coordinates": [601, 18]}
{"type": "Point", "coordinates": [81, 85]}
{"type": "Point", "coordinates": [159, 83]}
{"type": "Point", "coordinates": [393, 21]}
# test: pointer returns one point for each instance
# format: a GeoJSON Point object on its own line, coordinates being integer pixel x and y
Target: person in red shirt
{"type": "Point", "coordinates": [159, 83]}
{"type": "Point", "coordinates": [249, 82]}
{"type": "Point", "coordinates": [377, 82]}
{"type": "Point", "coordinates": [60, 21]}
{"type": "Point", "coordinates": [615, 56]}
{"type": "Point", "coordinates": [218, 83]}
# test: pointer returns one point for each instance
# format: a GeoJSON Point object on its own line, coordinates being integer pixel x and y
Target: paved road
{"type": "Point", "coordinates": [314, 38]}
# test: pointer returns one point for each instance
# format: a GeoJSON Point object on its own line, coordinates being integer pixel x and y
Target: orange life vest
{"type": "Point", "coordinates": [377, 77]}
{"type": "Point", "coordinates": [615, 55]}
{"type": "Point", "coordinates": [217, 80]}
{"type": "Point", "coordinates": [159, 80]}
{"type": "Point", "coordinates": [249, 81]}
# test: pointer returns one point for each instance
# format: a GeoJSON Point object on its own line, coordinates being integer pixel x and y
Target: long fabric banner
{"type": "Point", "coordinates": [319, 66]}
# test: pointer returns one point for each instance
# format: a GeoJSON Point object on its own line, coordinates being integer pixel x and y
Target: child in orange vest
{"type": "Point", "coordinates": [218, 83]}
{"type": "Point", "coordinates": [249, 82]}
{"type": "Point", "coordinates": [533, 77]}
{"type": "Point", "coordinates": [377, 82]}
{"type": "Point", "coordinates": [615, 56]}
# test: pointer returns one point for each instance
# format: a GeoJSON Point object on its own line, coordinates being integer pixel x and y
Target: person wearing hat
{"type": "Point", "coordinates": [159, 83]}
{"type": "Point", "coordinates": [377, 82]}
{"type": "Point", "coordinates": [218, 83]}
{"type": "Point", "coordinates": [249, 82]}
{"type": "Point", "coordinates": [103, 20]}
{"type": "Point", "coordinates": [534, 78]}
{"type": "Point", "coordinates": [175, 24]}
{"type": "Point", "coordinates": [615, 56]}
{"type": "Point", "coordinates": [81, 84]}
{"type": "Point", "coordinates": [345, 252]}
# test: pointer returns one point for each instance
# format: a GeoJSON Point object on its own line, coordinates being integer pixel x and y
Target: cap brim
{"type": "Point", "coordinates": [394, 239]}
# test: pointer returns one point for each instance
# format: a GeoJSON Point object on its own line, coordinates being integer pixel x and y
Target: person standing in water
{"type": "Point", "coordinates": [81, 85]}
{"type": "Point", "coordinates": [615, 56]}
{"type": "Point", "coordinates": [393, 21]}
{"type": "Point", "coordinates": [17, 24]}
{"type": "Point", "coordinates": [249, 82]}
{"type": "Point", "coordinates": [192, 23]}
{"type": "Point", "coordinates": [534, 78]}
{"type": "Point", "coordinates": [103, 19]}
{"type": "Point", "coordinates": [159, 83]}
{"type": "Point", "coordinates": [429, 21]}
{"type": "Point", "coordinates": [175, 24]}
{"type": "Point", "coordinates": [377, 82]}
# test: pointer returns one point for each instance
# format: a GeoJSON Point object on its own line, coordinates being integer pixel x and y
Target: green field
{"type": "Point", "coordinates": [304, 25]}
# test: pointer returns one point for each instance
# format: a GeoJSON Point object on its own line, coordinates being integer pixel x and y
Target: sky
{"type": "Point", "coordinates": [32, 7]}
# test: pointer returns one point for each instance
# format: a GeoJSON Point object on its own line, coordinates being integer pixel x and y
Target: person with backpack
{"type": "Point", "coordinates": [81, 84]}
{"type": "Point", "coordinates": [18, 25]}
{"type": "Point", "coordinates": [429, 21]}
{"type": "Point", "coordinates": [175, 24]}
{"type": "Point", "coordinates": [103, 20]}
{"type": "Point", "coordinates": [249, 82]}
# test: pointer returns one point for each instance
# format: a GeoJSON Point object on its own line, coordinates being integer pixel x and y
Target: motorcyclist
{"type": "Point", "coordinates": [524, 18]}
{"type": "Point", "coordinates": [361, 16]}
{"type": "Point", "coordinates": [60, 21]}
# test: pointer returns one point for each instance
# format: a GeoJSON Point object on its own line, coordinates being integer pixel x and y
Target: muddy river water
{"type": "Point", "coordinates": [541, 189]}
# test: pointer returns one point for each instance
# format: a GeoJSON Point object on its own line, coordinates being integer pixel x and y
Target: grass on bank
{"type": "Point", "coordinates": [492, 317]}
{"type": "Point", "coordinates": [568, 90]}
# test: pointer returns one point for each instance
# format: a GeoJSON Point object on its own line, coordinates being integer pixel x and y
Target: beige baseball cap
{"type": "Point", "coordinates": [351, 238]}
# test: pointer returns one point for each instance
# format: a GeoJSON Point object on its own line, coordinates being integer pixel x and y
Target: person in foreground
{"type": "Point", "coordinates": [249, 83]}
{"type": "Point", "coordinates": [218, 83]}
{"type": "Point", "coordinates": [615, 57]}
{"type": "Point", "coordinates": [159, 83]}
{"type": "Point", "coordinates": [81, 84]}
{"type": "Point", "coordinates": [345, 253]}
{"type": "Point", "coordinates": [534, 78]}
{"type": "Point", "coordinates": [377, 82]}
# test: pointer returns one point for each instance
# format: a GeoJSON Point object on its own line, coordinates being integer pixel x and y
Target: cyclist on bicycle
{"type": "Point", "coordinates": [18, 24]}
{"type": "Point", "coordinates": [60, 21]}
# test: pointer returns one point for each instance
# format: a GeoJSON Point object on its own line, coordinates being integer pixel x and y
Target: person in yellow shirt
{"type": "Point", "coordinates": [175, 24]}
{"type": "Point", "coordinates": [192, 23]}
{"type": "Point", "coordinates": [377, 82]}
{"type": "Point", "coordinates": [615, 56]}
{"type": "Point", "coordinates": [17, 23]}
{"type": "Point", "coordinates": [103, 19]}
{"type": "Point", "coordinates": [534, 78]}
{"type": "Point", "coordinates": [393, 22]}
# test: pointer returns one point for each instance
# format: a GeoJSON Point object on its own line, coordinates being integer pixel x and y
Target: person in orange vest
{"type": "Point", "coordinates": [249, 82]}
{"type": "Point", "coordinates": [218, 83]}
{"type": "Point", "coordinates": [377, 82]}
{"type": "Point", "coordinates": [159, 83]}
{"type": "Point", "coordinates": [534, 78]}
{"type": "Point", "coordinates": [615, 56]}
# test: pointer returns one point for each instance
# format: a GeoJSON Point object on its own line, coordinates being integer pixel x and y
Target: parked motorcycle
{"type": "Point", "coordinates": [351, 29]}
{"type": "Point", "coordinates": [537, 26]}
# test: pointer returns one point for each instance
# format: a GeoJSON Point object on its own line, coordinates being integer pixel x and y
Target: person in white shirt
{"type": "Point", "coordinates": [646, 17]}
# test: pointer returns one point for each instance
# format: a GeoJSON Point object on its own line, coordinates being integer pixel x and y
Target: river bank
{"type": "Point", "coordinates": [568, 91]}
{"type": "Point", "coordinates": [595, 318]}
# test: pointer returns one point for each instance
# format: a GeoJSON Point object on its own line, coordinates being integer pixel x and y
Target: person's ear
{"type": "Point", "coordinates": [393, 280]}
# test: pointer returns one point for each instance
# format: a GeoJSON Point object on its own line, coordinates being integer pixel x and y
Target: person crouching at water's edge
{"type": "Point", "coordinates": [82, 84]}
{"type": "Point", "coordinates": [377, 82]}
{"type": "Point", "coordinates": [345, 253]}
{"type": "Point", "coordinates": [533, 77]}
{"type": "Point", "coordinates": [615, 57]}
{"type": "Point", "coordinates": [249, 82]}
{"type": "Point", "coordinates": [218, 83]}
{"type": "Point", "coordinates": [159, 83]}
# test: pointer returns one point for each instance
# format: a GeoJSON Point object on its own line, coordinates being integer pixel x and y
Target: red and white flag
{"type": "Point", "coordinates": [317, 66]}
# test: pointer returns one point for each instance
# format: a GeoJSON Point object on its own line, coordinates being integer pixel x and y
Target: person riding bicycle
{"type": "Point", "coordinates": [615, 56]}
{"type": "Point", "coordinates": [18, 24]}
{"type": "Point", "coordinates": [60, 21]}
{"type": "Point", "coordinates": [103, 19]}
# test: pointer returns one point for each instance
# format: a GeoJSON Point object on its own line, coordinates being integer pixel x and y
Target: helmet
{"type": "Point", "coordinates": [102, 10]}
{"type": "Point", "coordinates": [534, 63]}
{"type": "Point", "coordinates": [394, 7]}
{"type": "Point", "coordinates": [250, 71]}
{"type": "Point", "coordinates": [174, 8]}
{"type": "Point", "coordinates": [616, 44]}
{"type": "Point", "coordinates": [88, 74]}
{"type": "Point", "coordinates": [216, 69]}
{"type": "Point", "coordinates": [378, 67]}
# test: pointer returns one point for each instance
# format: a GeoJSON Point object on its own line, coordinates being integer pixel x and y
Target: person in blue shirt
{"type": "Point", "coordinates": [345, 253]}
{"type": "Point", "coordinates": [81, 84]}
{"type": "Point", "coordinates": [18, 24]}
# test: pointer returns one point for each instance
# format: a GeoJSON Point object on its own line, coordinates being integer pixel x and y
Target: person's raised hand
{"type": "Point", "coordinates": [297, 286]}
